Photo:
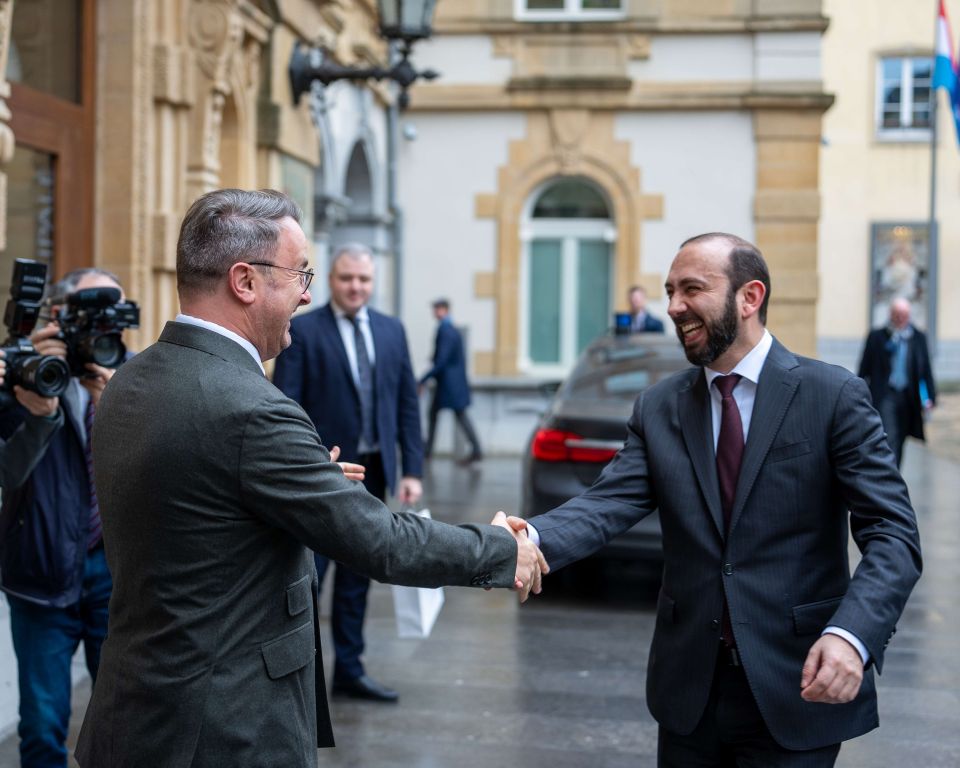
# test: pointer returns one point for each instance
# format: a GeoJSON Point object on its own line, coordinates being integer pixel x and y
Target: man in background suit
{"type": "Point", "coordinates": [764, 648]}
{"type": "Point", "coordinates": [641, 321]}
{"type": "Point", "coordinates": [349, 367]}
{"type": "Point", "coordinates": [896, 367]}
{"type": "Point", "coordinates": [450, 372]}
{"type": "Point", "coordinates": [211, 481]}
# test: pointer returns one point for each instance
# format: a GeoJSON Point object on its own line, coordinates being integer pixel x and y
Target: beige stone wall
{"type": "Point", "coordinates": [195, 95]}
{"type": "Point", "coordinates": [564, 73]}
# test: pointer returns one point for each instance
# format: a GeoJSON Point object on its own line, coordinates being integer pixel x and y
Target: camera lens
{"type": "Point", "coordinates": [107, 350]}
{"type": "Point", "coordinates": [46, 375]}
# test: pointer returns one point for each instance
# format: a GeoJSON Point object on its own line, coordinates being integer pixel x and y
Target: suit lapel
{"type": "Point", "coordinates": [775, 391]}
{"type": "Point", "coordinates": [696, 424]}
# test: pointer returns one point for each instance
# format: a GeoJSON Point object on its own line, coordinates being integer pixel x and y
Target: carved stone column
{"type": "Point", "coordinates": [216, 33]}
{"type": "Point", "coordinates": [226, 37]}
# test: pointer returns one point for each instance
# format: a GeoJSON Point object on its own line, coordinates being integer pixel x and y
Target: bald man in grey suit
{"type": "Point", "coordinates": [212, 484]}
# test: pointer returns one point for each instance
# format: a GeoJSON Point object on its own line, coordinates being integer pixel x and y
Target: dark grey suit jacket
{"type": "Point", "coordinates": [816, 449]}
{"type": "Point", "coordinates": [211, 482]}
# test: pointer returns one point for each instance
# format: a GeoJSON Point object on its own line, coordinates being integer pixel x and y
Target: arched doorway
{"type": "Point", "coordinates": [566, 275]}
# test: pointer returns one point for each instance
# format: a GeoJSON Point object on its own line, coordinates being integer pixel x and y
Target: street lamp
{"type": "Point", "coordinates": [401, 21]}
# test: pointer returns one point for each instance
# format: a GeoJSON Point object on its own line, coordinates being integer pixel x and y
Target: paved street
{"type": "Point", "coordinates": [559, 682]}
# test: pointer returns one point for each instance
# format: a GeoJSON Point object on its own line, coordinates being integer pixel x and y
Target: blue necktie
{"type": "Point", "coordinates": [368, 421]}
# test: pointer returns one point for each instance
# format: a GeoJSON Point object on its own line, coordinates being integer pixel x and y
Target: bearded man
{"type": "Point", "coordinates": [761, 462]}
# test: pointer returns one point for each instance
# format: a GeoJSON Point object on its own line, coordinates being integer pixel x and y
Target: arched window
{"type": "Point", "coordinates": [567, 274]}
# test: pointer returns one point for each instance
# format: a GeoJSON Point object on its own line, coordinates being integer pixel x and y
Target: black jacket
{"type": "Point", "coordinates": [45, 521]}
{"type": "Point", "coordinates": [875, 370]}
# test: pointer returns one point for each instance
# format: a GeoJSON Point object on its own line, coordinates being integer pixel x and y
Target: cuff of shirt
{"type": "Point", "coordinates": [534, 535]}
{"type": "Point", "coordinates": [850, 638]}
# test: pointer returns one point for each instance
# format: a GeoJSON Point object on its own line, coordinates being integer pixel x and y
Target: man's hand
{"type": "Point", "coordinates": [410, 490]}
{"type": "Point", "coordinates": [352, 471]}
{"type": "Point", "coordinates": [3, 366]}
{"type": "Point", "coordinates": [45, 343]}
{"type": "Point", "coordinates": [36, 404]}
{"type": "Point", "coordinates": [96, 380]}
{"type": "Point", "coordinates": [531, 564]}
{"type": "Point", "coordinates": [832, 672]}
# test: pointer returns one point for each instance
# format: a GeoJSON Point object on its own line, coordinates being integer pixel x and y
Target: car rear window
{"type": "Point", "coordinates": [624, 379]}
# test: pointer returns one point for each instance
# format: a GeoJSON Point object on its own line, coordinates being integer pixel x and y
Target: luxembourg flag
{"type": "Point", "coordinates": [946, 72]}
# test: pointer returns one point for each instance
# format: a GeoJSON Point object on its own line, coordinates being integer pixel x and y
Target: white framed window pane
{"type": "Point", "coordinates": [602, 5]}
{"type": "Point", "coordinates": [891, 71]}
{"type": "Point", "coordinates": [570, 200]}
{"type": "Point", "coordinates": [593, 288]}
{"type": "Point", "coordinates": [544, 300]}
{"type": "Point", "coordinates": [544, 5]}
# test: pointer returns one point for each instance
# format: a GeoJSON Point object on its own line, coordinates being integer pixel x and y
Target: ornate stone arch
{"type": "Point", "coordinates": [560, 143]}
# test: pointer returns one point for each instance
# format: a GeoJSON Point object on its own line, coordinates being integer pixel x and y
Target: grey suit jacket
{"type": "Point", "coordinates": [212, 484]}
{"type": "Point", "coordinates": [816, 449]}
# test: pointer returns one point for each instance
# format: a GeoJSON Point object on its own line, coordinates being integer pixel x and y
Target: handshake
{"type": "Point", "coordinates": [531, 565]}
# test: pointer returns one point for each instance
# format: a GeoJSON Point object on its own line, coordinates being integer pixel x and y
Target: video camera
{"type": "Point", "coordinates": [91, 325]}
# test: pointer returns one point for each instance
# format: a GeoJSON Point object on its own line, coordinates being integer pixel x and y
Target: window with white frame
{"type": "Point", "coordinates": [569, 10]}
{"type": "Point", "coordinates": [567, 275]}
{"type": "Point", "coordinates": [904, 97]}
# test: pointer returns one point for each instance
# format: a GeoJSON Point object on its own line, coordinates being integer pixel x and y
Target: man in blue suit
{"type": "Point", "coordinates": [450, 372]}
{"type": "Point", "coordinates": [642, 321]}
{"type": "Point", "coordinates": [349, 367]}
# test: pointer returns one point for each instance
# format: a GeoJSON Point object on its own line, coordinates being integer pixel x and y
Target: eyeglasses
{"type": "Point", "coordinates": [305, 275]}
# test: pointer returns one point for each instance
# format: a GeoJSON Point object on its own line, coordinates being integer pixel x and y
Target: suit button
{"type": "Point", "coordinates": [714, 625]}
{"type": "Point", "coordinates": [728, 569]}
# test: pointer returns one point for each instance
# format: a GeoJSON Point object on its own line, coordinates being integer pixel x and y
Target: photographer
{"type": "Point", "coordinates": [52, 565]}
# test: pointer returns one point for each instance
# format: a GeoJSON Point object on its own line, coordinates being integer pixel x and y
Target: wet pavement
{"type": "Point", "coordinates": [559, 682]}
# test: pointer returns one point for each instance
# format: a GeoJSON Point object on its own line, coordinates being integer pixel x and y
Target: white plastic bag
{"type": "Point", "coordinates": [416, 608]}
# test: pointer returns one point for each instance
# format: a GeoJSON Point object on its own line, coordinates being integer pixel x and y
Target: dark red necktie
{"type": "Point", "coordinates": [729, 457]}
{"type": "Point", "coordinates": [729, 444]}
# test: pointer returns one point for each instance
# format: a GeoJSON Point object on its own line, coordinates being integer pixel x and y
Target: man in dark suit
{"type": "Point", "coordinates": [641, 321]}
{"type": "Point", "coordinates": [350, 355]}
{"type": "Point", "coordinates": [450, 372]}
{"type": "Point", "coordinates": [765, 648]}
{"type": "Point", "coordinates": [896, 367]}
{"type": "Point", "coordinates": [211, 481]}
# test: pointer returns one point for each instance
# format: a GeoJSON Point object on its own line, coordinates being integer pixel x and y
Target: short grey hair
{"type": "Point", "coordinates": [227, 226]}
{"type": "Point", "coordinates": [69, 282]}
{"type": "Point", "coordinates": [352, 251]}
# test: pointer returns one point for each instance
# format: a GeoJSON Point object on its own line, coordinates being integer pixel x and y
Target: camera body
{"type": "Point", "coordinates": [91, 323]}
{"type": "Point", "coordinates": [47, 375]}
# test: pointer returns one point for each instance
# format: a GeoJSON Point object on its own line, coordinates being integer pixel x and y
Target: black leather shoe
{"type": "Point", "coordinates": [364, 687]}
{"type": "Point", "coordinates": [473, 458]}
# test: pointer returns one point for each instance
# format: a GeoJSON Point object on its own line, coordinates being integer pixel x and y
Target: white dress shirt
{"type": "Point", "coordinates": [745, 394]}
{"type": "Point", "coordinates": [245, 343]}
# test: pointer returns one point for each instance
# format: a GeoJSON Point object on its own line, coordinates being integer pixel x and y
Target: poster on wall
{"type": "Point", "coordinates": [900, 269]}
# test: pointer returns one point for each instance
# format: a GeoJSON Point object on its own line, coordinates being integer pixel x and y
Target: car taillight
{"type": "Point", "coordinates": [558, 445]}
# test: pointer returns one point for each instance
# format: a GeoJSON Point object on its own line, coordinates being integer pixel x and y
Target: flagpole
{"type": "Point", "coordinates": [932, 239]}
